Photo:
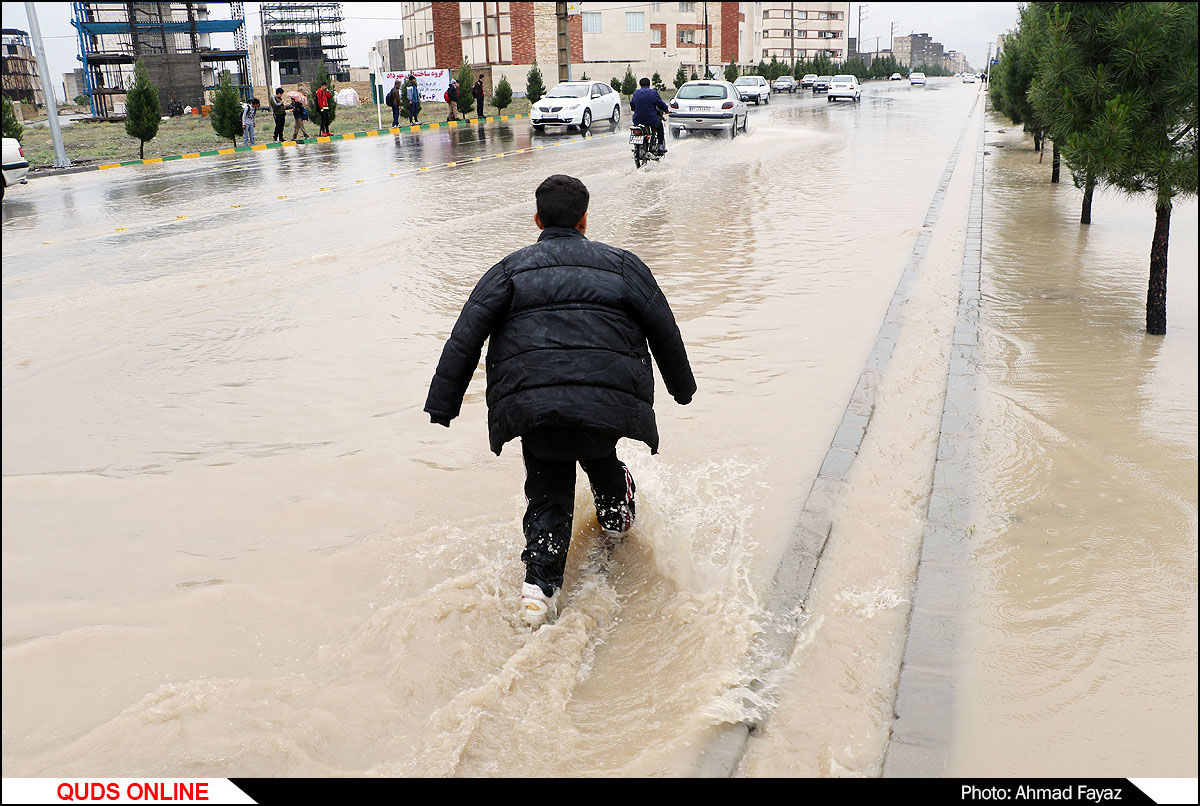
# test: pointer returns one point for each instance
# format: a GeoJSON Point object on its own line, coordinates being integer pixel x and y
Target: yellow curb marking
{"type": "Point", "coordinates": [190, 156]}
{"type": "Point", "coordinates": [234, 206]}
{"type": "Point", "coordinates": [451, 164]}
{"type": "Point", "coordinates": [110, 165]}
{"type": "Point", "coordinates": [393, 174]}
{"type": "Point", "coordinates": [258, 148]}
{"type": "Point", "coordinates": [359, 181]}
{"type": "Point", "coordinates": [289, 143]}
{"type": "Point", "coordinates": [155, 159]}
{"type": "Point", "coordinates": [424, 169]}
{"type": "Point", "coordinates": [324, 188]}
{"type": "Point", "coordinates": [180, 217]}
{"type": "Point", "coordinates": [120, 229]}
{"type": "Point", "coordinates": [281, 197]}
{"type": "Point", "coordinates": [414, 128]}
{"type": "Point", "coordinates": [372, 133]}
{"type": "Point", "coordinates": [224, 150]}
{"type": "Point", "coordinates": [476, 159]}
{"type": "Point", "coordinates": [322, 139]}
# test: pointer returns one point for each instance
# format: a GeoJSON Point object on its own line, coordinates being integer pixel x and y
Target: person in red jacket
{"type": "Point", "coordinates": [324, 96]}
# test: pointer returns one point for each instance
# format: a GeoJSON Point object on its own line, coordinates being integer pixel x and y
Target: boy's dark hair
{"type": "Point", "coordinates": [645, 82]}
{"type": "Point", "coordinates": [254, 102]}
{"type": "Point", "coordinates": [278, 90]}
{"type": "Point", "coordinates": [561, 201]}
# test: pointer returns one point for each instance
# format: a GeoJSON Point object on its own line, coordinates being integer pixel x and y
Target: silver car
{"type": "Point", "coordinates": [15, 164]}
{"type": "Point", "coordinates": [700, 105]}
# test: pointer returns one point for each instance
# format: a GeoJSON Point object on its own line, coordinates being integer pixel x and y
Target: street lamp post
{"type": "Point", "coordinates": [35, 34]}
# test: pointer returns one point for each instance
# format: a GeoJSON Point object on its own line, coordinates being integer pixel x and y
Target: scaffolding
{"type": "Point", "coordinates": [173, 40]}
{"type": "Point", "coordinates": [299, 37]}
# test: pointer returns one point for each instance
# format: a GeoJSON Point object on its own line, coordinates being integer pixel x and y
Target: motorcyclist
{"type": "Point", "coordinates": [646, 104]}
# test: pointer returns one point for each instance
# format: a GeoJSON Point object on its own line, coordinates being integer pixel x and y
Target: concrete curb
{"type": "Point", "coordinates": [784, 615]}
{"type": "Point", "coordinates": [922, 735]}
{"type": "Point", "coordinates": [449, 124]}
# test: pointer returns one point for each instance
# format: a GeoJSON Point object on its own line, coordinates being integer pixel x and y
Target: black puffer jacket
{"type": "Point", "coordinates": [568, 321]}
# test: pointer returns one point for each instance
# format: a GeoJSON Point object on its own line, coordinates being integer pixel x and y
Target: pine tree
{"type": "Point", "coordinates": [694, 76]}
{"type": "Point", "coordinates": [680, 77]}
{"type": "Point", "coordinates": [226, 113]}
{"type": "Point", "coordinates": [321, 77]}
{"type": "Point", "coordinates": [502, 97]}
{"type": "Point", "coordinates": [657, 83]}
{"type": "Point", "coordinates": [584, 77]}
{"type": "Point", "coordinates": [615, 84]}
{"type": "Point", "coordinates": [534, 87]}
{"type": "Point", "coordinates": [142, 113]}
{"type": "Point", "coordinates": [629, 84]}
{"type": "Point", "coordinates": [11, 126]}
{"type": "Point", "coordinates": [466, 101]}
{"type": "Point", "coordinates": [731, 71]}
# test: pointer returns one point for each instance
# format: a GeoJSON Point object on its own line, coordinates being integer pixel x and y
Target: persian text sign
{"type": "Point", "coordinates": [431, 84]}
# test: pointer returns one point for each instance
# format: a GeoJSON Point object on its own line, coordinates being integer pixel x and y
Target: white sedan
{"type": "Point", "coordinates": [708, 105]}
{"type": "Point", "coordinates": [844, 87]}
{"type": "Point", "coordinates": [576, 103]}
{"type": "Point", "coordinates": [15, 164]}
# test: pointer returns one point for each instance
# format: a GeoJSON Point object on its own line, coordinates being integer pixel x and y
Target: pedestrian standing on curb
{"type": "Point", "coordinates": [278, 107]}
{"type": "Point", "coordinates": [299, 115]}
{"type": "Point", "coordinates": [248, 112]}
{"type": "Point", "coordinates": [452, 100]}
{"type": "Point", "coordinates": [414, 101]}
{"type": "Point", "coordinates": [571, 325]}
{"type": "Point", "coordinates": [477, 94]}
{"type": "Point", "coordinates": [395, 99]}
{"type": "Point", "coordinates": [324, 96]}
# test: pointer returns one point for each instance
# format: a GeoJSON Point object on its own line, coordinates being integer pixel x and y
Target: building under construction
{"type": "Point", "coordinates": [20, 71]}
{"type": "Point", "coordinates": [177, 42]}
{"type": "Point", "coordinates": [297, 38]}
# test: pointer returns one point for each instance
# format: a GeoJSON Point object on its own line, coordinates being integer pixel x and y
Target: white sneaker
{"type": "Point", "coordinates": [536, 607]}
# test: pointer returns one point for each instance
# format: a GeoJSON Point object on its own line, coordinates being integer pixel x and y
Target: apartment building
{"type": "Point", "coordinates": [918, 50]}
{"type": "Point", "coordinates": [506, 39]}
{"type": "Point", "coordinates": [797, 31]}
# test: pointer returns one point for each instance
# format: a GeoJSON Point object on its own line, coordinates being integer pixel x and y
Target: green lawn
{"type": "Point", "coordinates": [92, 143]}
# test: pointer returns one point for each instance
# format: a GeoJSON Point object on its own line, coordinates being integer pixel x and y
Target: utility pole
{"type": "Point", "coordinates": [988, 69]}
{"type": "Point", "coordinates": [706, 76]}
{"type": "Point", "coordinates": [791, 33]}
{"type": "Point", "coordinates": [858, 45]}
{"type": "Point", "coordinates": [35, 34]}
{"type": "Point", "coordinates": [891, 40]}
{"type": "Point", "coordinates": [564, 42]}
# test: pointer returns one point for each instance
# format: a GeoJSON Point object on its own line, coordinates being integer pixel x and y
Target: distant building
{"type": "Point", "coordinates": [956, 62]}
{"type": "Point", "coordinates": [19, 76]}
{"type": "Point", "coordinates": [299, 38]}
{"type": "Point", "coordinates": [73, 85]}
{"type": "Point", "coordinates": [918, 50]}
{"type": "Point", "coordinates": [391, 55]}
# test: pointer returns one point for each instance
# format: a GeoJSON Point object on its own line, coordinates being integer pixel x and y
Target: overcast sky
{"type": "Point", "coordinates": [967, 27]}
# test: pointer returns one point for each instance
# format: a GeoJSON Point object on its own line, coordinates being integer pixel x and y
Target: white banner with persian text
{"type": "Point", "coordinates": [431, 84]}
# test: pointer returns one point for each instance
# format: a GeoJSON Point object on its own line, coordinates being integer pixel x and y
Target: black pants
{"type": "Point", "coordinates": [278, 137]}
{"type": "Point", "coordinates": [550, 493]}
{"type": "Point", "coordinates": [479, 105]}
{"type": "Point", "coordinates": [395, 116]}
{"type": "Point", "coordinates": [324, 121]}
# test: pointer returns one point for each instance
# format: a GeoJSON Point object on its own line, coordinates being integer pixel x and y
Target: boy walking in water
{"type": "Point", "coordinates": [572, 324]}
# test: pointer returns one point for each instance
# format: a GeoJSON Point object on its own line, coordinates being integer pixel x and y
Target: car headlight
{"type": "Point", "coordinates": [572, 106]}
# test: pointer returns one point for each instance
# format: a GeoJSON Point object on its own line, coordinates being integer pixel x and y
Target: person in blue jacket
{"type": "Point", "coordinates": [646, 104]}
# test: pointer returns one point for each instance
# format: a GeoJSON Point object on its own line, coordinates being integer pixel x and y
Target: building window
{"type": "Point", "coordinates": [591, 22]}
{"type": "Point", "coordinates": [478, 28]}
{"type": "Point", "coordinates": [656, 6]}
{"type": "Point", "coordinates": [656, 37]}
{"type": "Point", "coordinates": [687, 37]}
{"type": "Point", "coordinates": [430, 35]}
{"type": "Point", "coordinates": [635, 22]}
{"type": "Point", "coordinates": [687, 8]}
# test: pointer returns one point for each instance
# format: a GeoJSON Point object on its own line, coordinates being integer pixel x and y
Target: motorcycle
{"type": "Point", "coordinates": [645, 144]}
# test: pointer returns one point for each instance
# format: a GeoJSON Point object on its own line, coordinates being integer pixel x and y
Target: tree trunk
{"type": "Point", "coordinates": [1056, 165]}
{"type": "Point", "coordinates": [141, 149]}
{"type": "Point", "coordinates": [1156, 294]}
{"type": "Point", "coordinates": [1085, 216]}
{"type": "Point", "coordinates": [1037, 142]}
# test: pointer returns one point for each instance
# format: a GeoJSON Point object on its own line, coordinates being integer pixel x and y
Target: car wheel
{"type": "Point", "coordinates": [616, 115]}
{"type": "Point", "coordinates": [745, 122]}
{"type": "Point", "coordinates": [768, 99]}
{"type": "Point", "coordinates": [586, 123]}
{"type": "Point", "coordinates": [733, 128]}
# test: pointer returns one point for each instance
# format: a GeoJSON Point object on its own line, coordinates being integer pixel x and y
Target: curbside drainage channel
{"type": "Point", "coordinates": [724, 747]}
{"type": "Point", "coordinates": [450, 124]}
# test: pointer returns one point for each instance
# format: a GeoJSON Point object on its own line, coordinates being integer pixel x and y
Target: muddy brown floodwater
{"type": "Point", "coordinates": [233, 545]}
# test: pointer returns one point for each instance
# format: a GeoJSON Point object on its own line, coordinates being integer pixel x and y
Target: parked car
{"type": "Point", "coordinates": [785, 84]}
{"type": "Point", "coordinates": [821, 83]}
{"type": "Point", "coordinates": [896, 77]}
{"type": "Point", "coordinates": [15, 164]}
{"type": "Point", "coordinates": [844, 87]}
{"type": "Point", "coordinates": [807, 81]}
{"type": "Point", "coordinates": [576, 103]}
{"type": "Point", "coordinates": [705, 105]}
{"type": "Point", "coordinates": [916, 78]}
{"type": "Point", "coordinates": [968, 78]}
{"type": "Point", "coordinates": [753, 88]}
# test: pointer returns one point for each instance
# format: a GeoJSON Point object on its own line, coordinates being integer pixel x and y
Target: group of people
{"type": "Point", "coordinates": [408, 90]}
{"type": "Point", "coordinates": [280, 106]}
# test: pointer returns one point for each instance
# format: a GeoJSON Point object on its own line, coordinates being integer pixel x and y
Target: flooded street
{"type": "Point", "coordinates": [234, 545]}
